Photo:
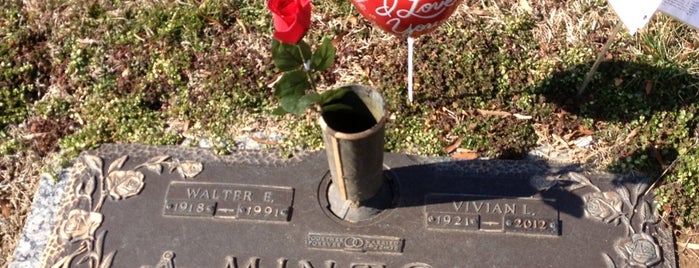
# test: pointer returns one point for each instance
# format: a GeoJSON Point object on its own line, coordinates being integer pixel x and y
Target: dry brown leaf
{"type": "Point", "coordinates": [562, 113]}
{"type": "Point", "coordinates": [559, 140]}
{"type": "Point", "coordinates": [264, 141]}
{"type": "Point", "coordinates": [5, 207]}
{"type": "Point", "coordinates": [242, 26]}
{"type": "Point", "coordinates": [608, 56]}
{"type": "Point", "coordinates": [667, 208]}
{"type": "Point", "coordinates": [465, 154]}
{"type": "Point", "coordinates": [352, 20]}
{"type": "Point", "coordinates": [631, 135]}
{"type": "Point", "coordinates": [477, 12]}
{"type": "Point", "coordinates": [490, 112]}
{"type": "Point", "coordinates": [454, 145]}
{"type": "Point", "coordinates": [649, 87]}
{"type": "Point", "coordinates": [524, 4]}
{"type": "Point", "coordinates": [618, 81]}
{"type": "Point", "coordinates": [126, 72]}
{"type": "Point", "coordinates": [214, 22]}
{"type": "Point", "coordinates": [543, 49]}
{"type": "Point", "coordinates": [584, 131]}
{"type": "Point", "coordinates": [569, 136]}
{"type": "Point", "coordinates": [658, 157]}
{"type": "Point", "coordinates": [338, 38]}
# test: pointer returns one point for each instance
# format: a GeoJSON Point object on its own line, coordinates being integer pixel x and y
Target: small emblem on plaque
{"type": "Point", "coordinates": [357, 243]}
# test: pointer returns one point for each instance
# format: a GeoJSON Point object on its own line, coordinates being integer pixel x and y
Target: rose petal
{"type": "Point", "coordinates": [291, 19]}
{"type": "Point", "coordinates": [283, 24]}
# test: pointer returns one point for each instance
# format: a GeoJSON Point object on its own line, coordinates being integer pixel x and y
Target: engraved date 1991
{"type": "Point", "coordinates": [256, 211]}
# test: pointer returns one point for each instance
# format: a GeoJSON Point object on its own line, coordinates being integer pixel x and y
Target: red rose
{"type": "Point", "coordinates": [292, 18]}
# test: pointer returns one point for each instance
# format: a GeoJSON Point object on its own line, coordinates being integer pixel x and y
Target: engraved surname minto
{"type": "Point", "coordinates": [232, 261]}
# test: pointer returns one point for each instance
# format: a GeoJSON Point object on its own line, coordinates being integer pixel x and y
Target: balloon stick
{"type": "Point", "coordinates": [410, 68]}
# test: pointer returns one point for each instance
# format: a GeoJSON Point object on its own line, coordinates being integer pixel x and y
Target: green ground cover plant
{"type": "Point", "coordinates": [498, 80]}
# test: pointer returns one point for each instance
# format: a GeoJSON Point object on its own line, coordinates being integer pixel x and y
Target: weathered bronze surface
{"type": "Point", "coordinates": [140, 206]}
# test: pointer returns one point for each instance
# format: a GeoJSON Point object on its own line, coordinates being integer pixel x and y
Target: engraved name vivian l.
{"type": "Point", "coordinates": [465, 212]}
{"type": "Point", "coordinates": [491, 207]}
{"type": "Point", "coordinates": [477, 204]}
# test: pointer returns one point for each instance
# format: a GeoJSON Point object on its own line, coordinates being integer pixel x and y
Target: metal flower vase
{"type": "Point", "coordinates": [354, 143]}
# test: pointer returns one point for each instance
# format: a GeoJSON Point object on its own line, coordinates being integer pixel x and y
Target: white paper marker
{"type": "Point", "coordinates": [410, 69]}
{"type": "Point", "coordinates": [635, 14]}
{"type": "Point", "coordinates": [686, 11]}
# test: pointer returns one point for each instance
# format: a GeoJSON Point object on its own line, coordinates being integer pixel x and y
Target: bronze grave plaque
{"type": "Point", "coordinates": [144, 206]}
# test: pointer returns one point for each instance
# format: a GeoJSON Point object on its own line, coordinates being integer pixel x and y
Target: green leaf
{"type": "Point", "coordinates": [331, 95]}
{"type": "Point", "coordinates": [305, 101]}
{"type": "Point", "coordinates": [279, 111]}
{"type": "Point", "coordinates": [313, 97]}
{"type": "Point", "coordinates": [292, 83]}
{"type": "Point", "coordinates": [298, 104]}
{"type": "Point", "coordinates": [324, 56]}
{"type": "Point", "coordinates": [285, 56]}
{"type": "Point", "coordinates": [288, 102]}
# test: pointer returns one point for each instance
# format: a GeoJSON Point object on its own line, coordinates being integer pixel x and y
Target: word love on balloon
{"type": "Point", "coordinates": [407, 18]}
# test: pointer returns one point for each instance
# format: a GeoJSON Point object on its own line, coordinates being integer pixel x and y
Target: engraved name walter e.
{"type": "Point", "coordinates": [229, 201]}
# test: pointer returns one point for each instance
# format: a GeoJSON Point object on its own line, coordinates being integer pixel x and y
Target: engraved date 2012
{"type": "Point", "coordinates": [531, 225]}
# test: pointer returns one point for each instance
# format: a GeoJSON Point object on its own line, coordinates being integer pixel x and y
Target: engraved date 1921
{"type": "Point", "coordinates": [452, 220]}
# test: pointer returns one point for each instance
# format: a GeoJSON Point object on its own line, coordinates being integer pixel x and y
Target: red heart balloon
{"type": "Point", "coordinates": [407, 17]}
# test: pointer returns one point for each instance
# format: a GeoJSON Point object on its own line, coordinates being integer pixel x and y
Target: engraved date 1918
{"type": "Point", "coordinates": [183, 207]}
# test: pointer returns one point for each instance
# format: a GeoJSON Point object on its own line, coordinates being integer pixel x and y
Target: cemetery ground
{"type": "Point", "coordinates": [498, 80]}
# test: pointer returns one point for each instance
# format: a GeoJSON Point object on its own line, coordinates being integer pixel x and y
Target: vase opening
{"type": "Point", "coordinates": [355, 118]}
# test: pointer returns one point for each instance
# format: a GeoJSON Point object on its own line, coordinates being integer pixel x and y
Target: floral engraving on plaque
{"type": "Point", "coordinates": [640, 250]}
{"type": "Point", "coordinates": [123, 184]}
{"type": "Point", "coordinates": [604, 206]}
{"type": "Point", "coordinates": [622, 205]}
{"type": "Point", "coordinates": [90, 190]}
{"type": "Point", "coordinates": [80, 224]}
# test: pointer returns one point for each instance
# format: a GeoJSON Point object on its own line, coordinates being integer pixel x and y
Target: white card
{"type": "Point", "coordinates": [686, 11]}
{"type": "Point", "coordinates": [635, 14]}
